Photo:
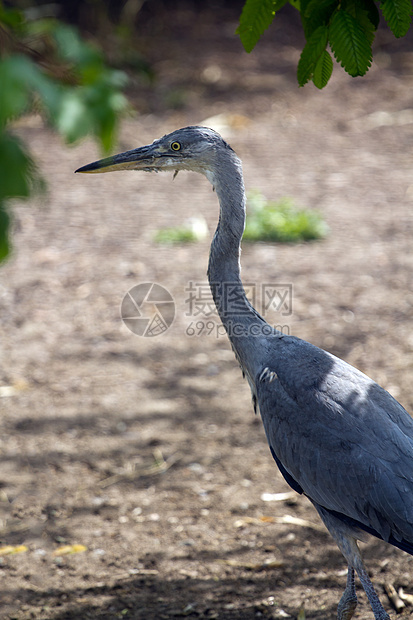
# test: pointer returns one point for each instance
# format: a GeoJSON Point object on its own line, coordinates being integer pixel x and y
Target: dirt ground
{"type": "Point", "coordinates": [146, 451]}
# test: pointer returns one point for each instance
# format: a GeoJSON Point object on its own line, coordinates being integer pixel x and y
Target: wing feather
{"type": "Point", "coordinates": [342, 439]}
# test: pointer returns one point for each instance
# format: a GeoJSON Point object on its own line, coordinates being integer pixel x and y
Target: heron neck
{"type": "Point", "coordinates": [224, 260]}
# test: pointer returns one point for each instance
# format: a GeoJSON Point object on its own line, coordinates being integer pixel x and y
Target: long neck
{"type": "Point", "coordinates": [235, 311]}
{"type": "Point", "coordinates": [224, 258]}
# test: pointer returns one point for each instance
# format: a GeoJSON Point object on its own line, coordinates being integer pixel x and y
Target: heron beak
{"type": "Point", "coordinates": [142, 158]}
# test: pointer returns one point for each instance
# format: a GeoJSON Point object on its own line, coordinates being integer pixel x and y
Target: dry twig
{"type": "Point", "coordinates": [159, 466]}
{"type": "Point", "coordinates": [394, 598]}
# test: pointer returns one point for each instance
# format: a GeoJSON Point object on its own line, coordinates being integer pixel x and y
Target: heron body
{"type": "Point", "coordinates": [336, 436]}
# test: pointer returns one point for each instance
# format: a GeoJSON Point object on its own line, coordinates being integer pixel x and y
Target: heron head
{"type": "Point", "coordinates": [191, 148]}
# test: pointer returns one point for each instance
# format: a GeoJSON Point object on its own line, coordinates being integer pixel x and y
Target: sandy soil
{"type": "Point", "coordinates": [146, 450]}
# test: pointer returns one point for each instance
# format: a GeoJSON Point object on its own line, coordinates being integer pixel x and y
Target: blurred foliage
{"type": "Point", "coordinates": [347, 26]}
{"type": "Point", "coordinates": [46, 67]}
{"type": "Point", "coordinates": [281, 221]}
{"type": "Point", "coordinates": [175, 236]}
{"type": "Point", "coordinates": [194, 229]}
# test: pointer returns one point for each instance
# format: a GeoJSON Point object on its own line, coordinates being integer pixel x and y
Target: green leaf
{"type": "Point", "coordinates": [372, 11]}
{"type": "Point", "coordinates": [256, 17]}
{"type": "Point", "coordinates": [350, 44]}
{"type": "Point", "coordinates": [20, 78]}
{"type": "Point", "coordinates": [95, 105]}
{"type": "Point", "coordinates": [398, 15]}
{"type": "Point", "coordinates": [14, 72]}
{"type": "Point", "coordinates": [323, 70]}
{"type": "Point", "coordinates": [4, 232]}
{"type": "Point", "coordinates": [367, 19]}
{"type": "Point", "coordinates": [74, 118]}
{"type": "Point", "coordinates": [18, 179]}
{"type": "Point", "coordinates": [13, 18]}
{"type": "Point", "coordinates": [18, 173]}
{"type": "Point", "coordinates": [317, 13]}
{"type": "Point", "coordinates": [72, 48]}
{"type": "Point", "coordinates": [49, 93]}
{"type": "Point", "coordinates": [310, 55]}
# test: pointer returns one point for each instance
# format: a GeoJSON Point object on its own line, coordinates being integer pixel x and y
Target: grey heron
{"type": "Point", "coordinates": [336, 436]}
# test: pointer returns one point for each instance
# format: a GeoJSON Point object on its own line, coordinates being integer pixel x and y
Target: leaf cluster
{"type": "Point", "coordinates": [347, 27]}
{"type": "Point", "coordinates": [281, 221]}
{"type": "Point", "coordinates": [46, 66]}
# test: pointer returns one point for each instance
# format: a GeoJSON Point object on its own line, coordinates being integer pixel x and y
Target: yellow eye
{"type": "Point", "coordinates": [175, 146]}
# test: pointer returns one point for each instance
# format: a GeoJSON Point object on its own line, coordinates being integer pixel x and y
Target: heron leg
{"type": "Point", "coordinates": [349, 548]}
{"type": "Point", "coordinates": [346, 539]}
{"type": "Point", "coordinates": [377, 607]}
{"type": "Point", "coordinates": [348, 601]}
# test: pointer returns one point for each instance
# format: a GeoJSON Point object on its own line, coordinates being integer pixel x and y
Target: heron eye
{"type": "Point", "coordinates": [175, 146]}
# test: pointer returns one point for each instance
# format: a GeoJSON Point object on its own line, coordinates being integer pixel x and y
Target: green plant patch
{"type": "Point", "coordinates": [281, 221]}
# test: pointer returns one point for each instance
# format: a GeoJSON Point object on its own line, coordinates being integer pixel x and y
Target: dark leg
{"type": "Point", "coordinates": [378, 610]}
{"type": "Point", "coordinates": [346, 538]}
{"type": "Point", "coordinates": [348, 601]}
{"type": "Point", "coordinates": [350, 550]}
